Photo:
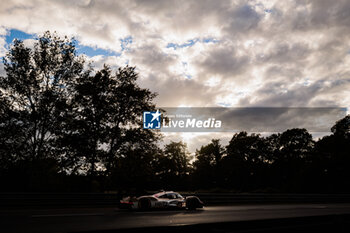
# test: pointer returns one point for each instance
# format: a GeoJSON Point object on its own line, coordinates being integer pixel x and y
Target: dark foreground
{"type": "Point", "coordinates": [243, 218]}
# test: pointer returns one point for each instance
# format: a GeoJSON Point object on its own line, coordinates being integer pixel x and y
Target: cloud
{"type": "Point", "coordinates": [223, 61]}
{"type": "Point", "coordinates": [230, 53]}
{"type": "Point", "coordinates": [242, 19]}
{"type": "Point", "coordinates": [3, 33]}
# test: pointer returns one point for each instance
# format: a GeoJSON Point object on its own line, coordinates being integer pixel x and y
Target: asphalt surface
{"type": "Point", "coordinates": [94, 219]}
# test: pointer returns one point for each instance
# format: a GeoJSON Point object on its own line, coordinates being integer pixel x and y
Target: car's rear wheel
{"type": "Point", "coordinates": [144, 204]}
{"type": "Point", "coordinates": [191, 203]}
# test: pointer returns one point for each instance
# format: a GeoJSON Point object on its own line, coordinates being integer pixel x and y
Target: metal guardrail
{"type": "Point", "coordinates": [236, 198]}
{"type": "Point", "coordinates": [57, 199]}
{"type": "Point", "coordinates": [102, 199]}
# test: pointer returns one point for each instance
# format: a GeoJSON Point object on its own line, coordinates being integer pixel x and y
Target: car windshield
{"type": "Point", "coordinates": [162, 196]}
{"type": "Point", "coordinates": [173, 196]}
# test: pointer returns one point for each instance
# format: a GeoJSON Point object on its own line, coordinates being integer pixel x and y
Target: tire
{"type": "Point", "coordinates": [191, 203]}
{"type": "Point", "coordinates": [144, 204]}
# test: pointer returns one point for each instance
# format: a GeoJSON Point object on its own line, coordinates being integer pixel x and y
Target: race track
{"type": "Point", "coordinates": [94, 219]}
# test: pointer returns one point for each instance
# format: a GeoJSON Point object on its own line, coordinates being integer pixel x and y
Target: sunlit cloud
{"type": "Point", "coordinates": [208, 53]}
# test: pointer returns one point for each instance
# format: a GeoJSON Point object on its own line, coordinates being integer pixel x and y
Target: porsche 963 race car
{"type": "Point", "coordinates": [161, 200]}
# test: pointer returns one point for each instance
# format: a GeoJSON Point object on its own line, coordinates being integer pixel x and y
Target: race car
{"type": "Point", "coordinates": [161, 200]}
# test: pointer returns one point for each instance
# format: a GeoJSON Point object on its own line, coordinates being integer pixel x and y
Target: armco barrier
{"type": "Point", "coordinates": [237, 198]}
{"type": "Point", "coordinates": [102, 199]}
{"type": "Point", "coordinates": [57, 199]}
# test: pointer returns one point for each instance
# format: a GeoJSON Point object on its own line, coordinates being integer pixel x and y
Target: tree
{"type": "Point", "coordinates": [209, 154]}
{"type": "Point", "coordinates": [127, 103]}
{"type": "Point", "coordinates": [331, 159]}
{"type": "Point", "coordinates": [34, 94]}
{"type": "Point", "coordinates": [55, 108]}
{"type": "Point", "coordinates": [173, 165]}
{"type": "Point", "coordinates": [243, 167]}
{"type": "Point", "coordinates": [12, 136]}
{"type": "Point", "coordinates": [295, 144]}
{"type": "Point", "coordinates": [294, 151]}
{"type": "Point", "coordinates": [136, 170]}
{"type": "Point", "coordinates": [247, 147]}
{"type": "Point", "coordinates": [342, 127]}
{"type": "Point", "coordinates": [105, 118]}
{"type": "Point", "coordinates": [206, 165]}
{"type": "Point", "coordinates": [35, 88]}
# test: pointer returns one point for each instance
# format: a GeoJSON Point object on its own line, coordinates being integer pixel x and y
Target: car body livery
{"type": "Point", "coordinates": [161, 200]}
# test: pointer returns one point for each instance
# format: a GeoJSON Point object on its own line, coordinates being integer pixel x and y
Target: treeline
{"type": "Point", "coordinates": [65, 126]}
{"type": "Point", "coordinates": [63, 122]}
{"type": "Point", "coordinates": [286, 162]}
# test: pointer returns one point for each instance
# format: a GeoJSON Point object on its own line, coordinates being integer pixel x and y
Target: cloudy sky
{"type": "Point", "coordinates": [266, 53]}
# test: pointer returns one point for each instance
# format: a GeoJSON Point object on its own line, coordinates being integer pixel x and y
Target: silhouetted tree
{"type": "Point", "coordinates": [34, 94]}
{"type": "Point", "coordinates": [331, 159]}
{"type": "Point", "coordinates": [13, 137]}
{"type": "Point", "coordinates": [106, 118]}
{"type": "Point", "coordinates": [136, 171]}
{"type": "Point", "coordinates": [206, 165]}
{"type": "Point", "coordinates": [55, 108]}
{"type": "Point", "coordinates": [342, 127]}
{"type": "Point", "coordinates": [35, 88]}
{"type": "Point", "coordinates": [173, 165]}
{"type": "Point", "coordinates": [245, 160]}
{"type": "Point", "coordinates": [294, 150]}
